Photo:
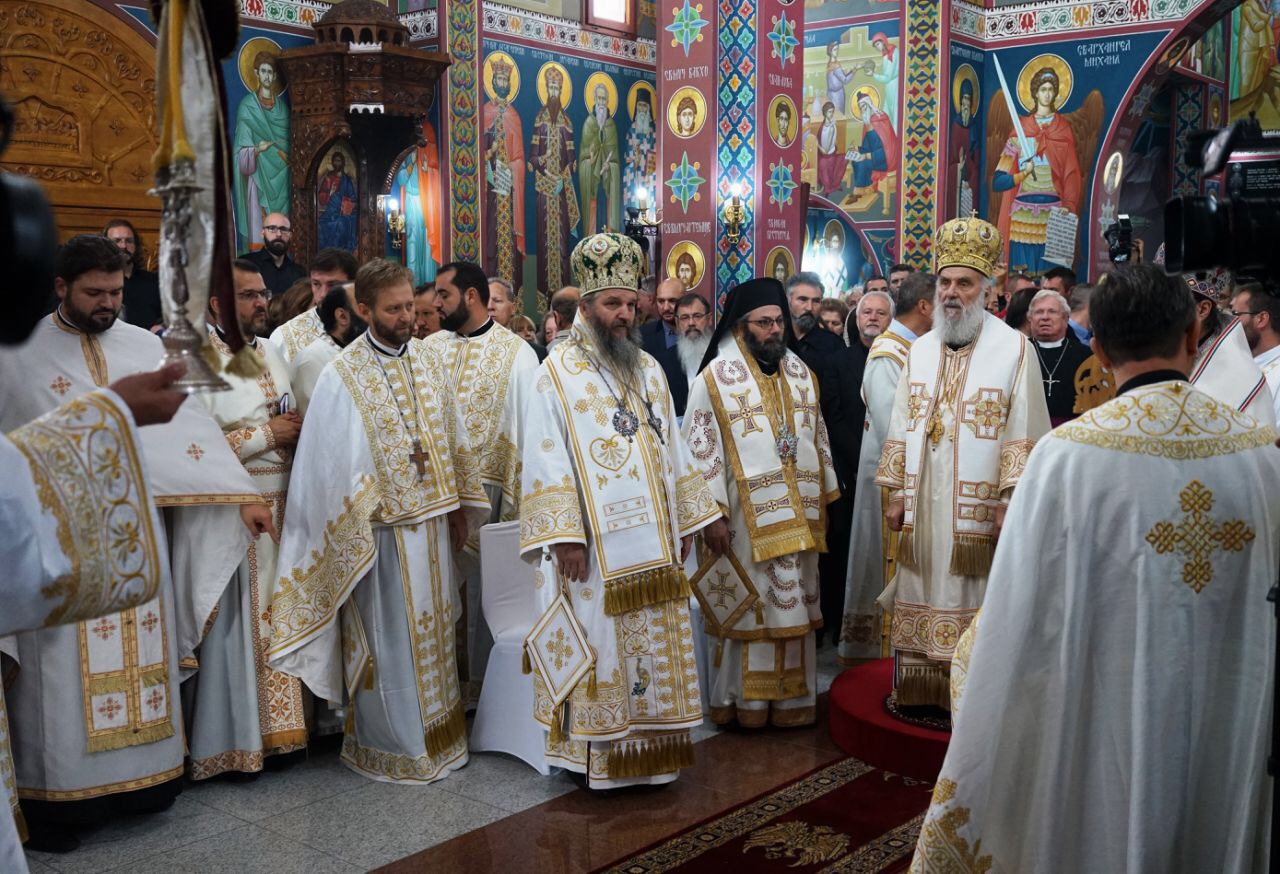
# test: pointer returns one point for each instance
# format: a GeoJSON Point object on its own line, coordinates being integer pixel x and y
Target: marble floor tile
{"type": "Point", "coordinates": [320, 776]}
{"type": "Point", "coordinates": [381, 822]}
{"type": "Point", "coordinates": [506, 783]}
{"type": "Point", "coordinates": [512, 845]}
{"type": "Point", "coordinates": [245, 850]}
{"type": "Point", "coordinates": [37, 867]}
{"type": "Point", "coordinates": [746, 764]}
{"type": "Point", "coordinates": [129, 839]}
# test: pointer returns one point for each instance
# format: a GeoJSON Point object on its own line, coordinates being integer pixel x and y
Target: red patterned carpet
{"type": "Point", "coordinates": [847, 817]}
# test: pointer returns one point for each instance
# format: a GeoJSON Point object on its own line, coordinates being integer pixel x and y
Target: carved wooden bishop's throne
{"type": "Point", "coordinates": [360, 82]}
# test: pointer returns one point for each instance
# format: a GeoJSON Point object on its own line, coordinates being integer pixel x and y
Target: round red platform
{"type": "Point", "coordinates": [862, 727]}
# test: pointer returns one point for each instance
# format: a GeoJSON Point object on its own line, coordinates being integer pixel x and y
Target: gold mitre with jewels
{"type": "Point", "coordinates": [967, 242]}
{"type": "Point", "coordinates": [605, 261]}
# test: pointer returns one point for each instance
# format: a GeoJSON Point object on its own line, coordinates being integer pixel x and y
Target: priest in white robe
{"type": "Point", "coordinates": [330, 268]}
{"type": "Point", "coordinates": [1224, 367]}
{"type": "Point", "coordinates": [1117, 711]}
{"type": "Point", "coordinates": [61, 511]}
{"type": "Point", "coordinates": [239, 711]}
{"type": "Point", "coordinates": [968, 409]}
{"type": "Point", "coordinates": [871, 544]}
{"type": "Point", "coordinates": [342, 324]}
{"type": "Point", "coordinates": [490, 371]}
{"type": "Point", "coordinates": [94, 708]}
{"type": "Point", "coordinates": [754, 425]}
{"type": "Point", "coordinates": [365, 600]}
{"type": "Point", "coordinates": [610, 500]}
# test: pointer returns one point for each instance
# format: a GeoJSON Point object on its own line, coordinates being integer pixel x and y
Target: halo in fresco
{"type": "Point", "coordinates": [1060, 68]}
{"type": "Point", "coordinates": [834, 228]}
{"type": "Point", "coordinates": [779, 256]}
{"type": "Point", "coordinates": [589, 93]}
{"type": "Point", "coordinates": [965, 73]}
{"type": "Point", "coordinates": [794, 124]}
{"type": "Point", "coordinates": [566, 90]}
{"type": "Point", "coordinates": [1113, 173]}
{"type": "Point", "coordinates": [687, 94]}
{"type": "Point", "coordinates": [248, 75]}
{"type": "Point", "coordinates": [686, 252]}
{"type": "Point", "coordinates": [640, 85]}
{"type": "Point", "coordinates": [487, 75]}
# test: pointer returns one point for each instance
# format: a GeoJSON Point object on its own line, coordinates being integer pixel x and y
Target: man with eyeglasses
{"type": "Point", "coordinates": [141, 286]}
{"type": "Point", "coordinates": [693, 324]}
{"type": "Point", "coordinates": [754, 425]}
{"type": "Point", "coordinates": [278, 270]}
{"type": "Point", "coordinates": [1257, 306]}
{"type": "Point", "coordinates": [240, 711]}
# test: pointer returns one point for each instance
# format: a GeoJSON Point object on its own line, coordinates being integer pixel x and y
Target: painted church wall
{"type": "Point", "coordinates": [1254, 69]}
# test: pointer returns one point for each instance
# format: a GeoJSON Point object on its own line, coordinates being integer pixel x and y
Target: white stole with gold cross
{"type": "Point", "coordinates": [770, 428]}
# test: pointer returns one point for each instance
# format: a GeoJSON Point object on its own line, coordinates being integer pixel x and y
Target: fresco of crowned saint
{"type": "Point", "coordinates": [551, 161]}
{"type": "Point", "coordinates": [417, 188]}
{"type": "Point", "coordinates": [599, 159]}
{"type": "Point", "coordinates": [261, 146]}
{"type": "Point", "coordinates": [336, 205]}
{"type": "Point", "coordinates": [502, 150]}
{"type": "Point", "coordinates": [1039, 178]}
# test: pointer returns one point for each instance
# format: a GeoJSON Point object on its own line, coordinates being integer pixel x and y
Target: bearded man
{"type": "Point", "coordinates": [600, 167]}
{"type": "Point", "coordinates": [1224, 367]}
{"type": "Point", "coordinates": [239, 711]}
{"type": "Point", "coordinates": [365, 601]}
{"type": "Point", "coordinates": [551, 161]}
{"type": "Point", "coordinates": [502, 142]}
{"type": "Point", "coordinates": [610, 500]}
{"type": "Point", "coordinates": [877, 157]}
{"type": "Point", "coordinates": [693, 323]}
{"type": "Point", "coordinates": [968, 410]}
{"type": "Point", "coordinates": [94, 706]}
{"type": "Point", "coordinates": [754, 424]}
{"type": "Point", "coordinates": [330, 268]}
{"type": "Point", "coordinates": [342, 325]}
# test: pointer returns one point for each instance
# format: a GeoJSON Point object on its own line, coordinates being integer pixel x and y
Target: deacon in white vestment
{"type": "Point", "coordinates": [754, 425]}
{"type": "Point", "coordinates": [342, 324]}
{"type": "Point", "coordinates": [871, 544]}
{"type": "Point", "coordinates": [330, 268]}
{"type": "Point", "coordinates": [610, 500]}
{"type": "Point", "coordinates": [1117, 711]}
{"type": "Point", "coordinates": [238, 710]}
{"type": "Point", "coordinates": [1257, 307]}
{"type": "Point", "coordinates": [94, 706]}
{"type": "Point", "coordinates": [381, 494]}
{"type": "Point", "coordinates": [490, 371]}
{"type": "Point", "coordinates": [968, 409]}
{"type": "Point", "coordinates": [76, 489]}
{"type": "Point", "coordinates": [1224, 367]}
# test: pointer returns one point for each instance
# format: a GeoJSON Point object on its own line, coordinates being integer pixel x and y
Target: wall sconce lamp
{"type": "Point", "coordinates": [734, 214]}
{"type": "Point", "coordinates": [390, 207]}
{"type": "Point", "coordinates": [640, 226]}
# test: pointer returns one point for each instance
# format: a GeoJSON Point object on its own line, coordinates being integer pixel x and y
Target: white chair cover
{"type": "Point", "coordinates": [504, 715]}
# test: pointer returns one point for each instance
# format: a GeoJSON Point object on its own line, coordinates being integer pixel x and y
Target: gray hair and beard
{"type": "Point", "coordinates": [805, 323]}
{"type": "Point", "coordinates": [620, 354]}
{"type": "Point", "coordinates": [692, 350]}
{"type": "Point", "coordinates": [961, 331]}
{"type": "Point", "coordinates": [767, 352]}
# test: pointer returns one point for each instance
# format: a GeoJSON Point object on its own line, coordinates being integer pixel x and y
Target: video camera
{"type": "Point", "coordinates": [28, 244]}
{"type": "Point", "coordinates": [1119, 237]}
{"type": "Point", "coordinates": [1236, 232]}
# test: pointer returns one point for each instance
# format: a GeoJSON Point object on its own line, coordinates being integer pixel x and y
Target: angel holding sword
{"type": "Point", "coordinates": [1039, 172]}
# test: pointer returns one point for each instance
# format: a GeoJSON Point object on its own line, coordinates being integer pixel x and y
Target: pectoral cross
{"type": "Point", "coordinates": [1049, 383]}
{"type": "Point", "coordinates": [419, 459]}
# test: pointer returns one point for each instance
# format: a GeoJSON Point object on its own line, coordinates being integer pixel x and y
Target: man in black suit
{"type": "Point", "coordinates": [659, 336]}
{"type": "Point", "coordinates": [838, 369]}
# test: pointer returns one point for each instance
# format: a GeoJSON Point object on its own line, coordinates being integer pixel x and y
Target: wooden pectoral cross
{"type": "Point", "coordinates": [419, 459]}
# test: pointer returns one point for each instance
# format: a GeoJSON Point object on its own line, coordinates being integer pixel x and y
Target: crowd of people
{"type": "Point", "coordinates": [1050, 502]}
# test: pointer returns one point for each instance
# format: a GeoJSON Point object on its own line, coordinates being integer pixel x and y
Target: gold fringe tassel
{"type": "Point", "coordinates": [556, 735]}
{"type": "Point", "coordinates": [719, 651]}
{"type": "Point", "coordinates": [774, 687]}
{"type": "Point", "coordinates": [797, 537]}
{"type": "Point", "coordinates": [289, 737]}
{"type": "Point", "coordinates": [446, 731]}
{"type": "Point", "coordinates": [924, 684]}
{"type": "Point", "coordinates": [526, 667]}
{"type": "Point", "coordinates": [637, 591]}
{"type": "Point", "coordinates": [130, 737]}
{"type": "Point", "coordinates": [21, 822]}
{"type": "Point", "coordinates": [245, 363]}
{"type": "Point", "coordinates": [759, 612]}
{"type": "Point", "coordinates": [650, 756]}
{"type": "Point", "coordinates": [211, 357]}
{"type": "Point", "coordinates": [369, 676]}
{"type": "Point", "coordinates": [591, 682]}
{"type": "Point", "coordinates": [905, 554]}
{"type": "Point", "coordinates": [971, 555]}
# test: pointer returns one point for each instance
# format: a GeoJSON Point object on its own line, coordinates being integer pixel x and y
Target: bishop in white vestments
{"type": "Point", "coordinates": [610, 500]}
{"type": "Point", "coordinates": [365, 601]}
{"type": "Point", "coordinates": [490, 371]}
{"type": "Point", "coordinates": [871, 544]}
{"type": "Point", "coordinates": [330, 268]}
{"type": "Point", "coordinates": [75, 492]}
{"type": "Point", "coordinates": [239, 711]}
{"type": "Point", "coordinates": [1117, 711]}
{"type": "Point", "coordinates": [94, 710]}
{"type": "Point", "coordinates": [754, 425]}
{"type": "Point", "coordinates": [968, 409]}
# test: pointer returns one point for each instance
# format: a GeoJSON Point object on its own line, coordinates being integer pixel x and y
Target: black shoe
{"type": "Point", "coordinates": [53, 839]}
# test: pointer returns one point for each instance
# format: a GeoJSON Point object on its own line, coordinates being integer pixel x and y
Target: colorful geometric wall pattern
{"type": "Point", "coordinates": [921, 115]}
{"type": "Point", "coordinates": [736, 156]}
{"type": "Point", "coordinates": [461, 41]}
